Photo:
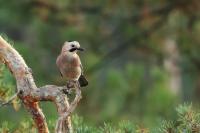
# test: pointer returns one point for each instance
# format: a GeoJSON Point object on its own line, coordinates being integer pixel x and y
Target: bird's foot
{"type": "Point", "coordinates": [77, 84]}
{"type": "Point", "coordinates": [67, 91]}
{"type": "Point", "coordinates": [70, 85]}
{"type": "Point", "coordinates": [73, 84]}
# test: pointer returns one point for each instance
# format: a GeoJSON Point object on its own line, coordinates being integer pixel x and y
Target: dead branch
{"type": "Point", "coordinates": [70, 110]}
{"type": "Point", "coordinates": [31, 95]}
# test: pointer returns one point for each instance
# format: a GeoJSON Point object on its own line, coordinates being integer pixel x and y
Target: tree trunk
{"type": "Point", "coordinates": [171, 64]}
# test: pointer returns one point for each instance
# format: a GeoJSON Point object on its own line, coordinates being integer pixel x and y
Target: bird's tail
{"type": "Point", "coordinates": [82, 81]}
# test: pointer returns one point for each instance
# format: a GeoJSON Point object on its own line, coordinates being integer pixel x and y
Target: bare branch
{"type": "Point", "coordinates": [30, 95]}
{"type": "Point", "coordinates": [70, 109]}
{"type": "Point", "coordinates": [25, 83]}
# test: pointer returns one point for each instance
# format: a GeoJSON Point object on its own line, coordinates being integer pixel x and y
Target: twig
{"type": "Point", "coordinates": [9, 100]}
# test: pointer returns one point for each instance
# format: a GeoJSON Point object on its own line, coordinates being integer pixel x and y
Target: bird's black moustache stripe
{"type": "Point", "coordinates": [72, 49]}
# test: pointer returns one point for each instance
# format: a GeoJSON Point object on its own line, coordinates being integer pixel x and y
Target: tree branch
{"type": "Point", "coordinates": [30, 95]}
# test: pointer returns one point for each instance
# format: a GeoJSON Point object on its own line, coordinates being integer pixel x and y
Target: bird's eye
{"type": "Point", "coordinates": [73, 45]}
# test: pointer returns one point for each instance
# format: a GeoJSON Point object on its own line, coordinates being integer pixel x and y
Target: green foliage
{"type": "Point", "coordinates": [187, 121]}
{"type": "Point", "coordinates": [25, 126]}
{"type": "Point", "coordinates": [159, 90]}
{"type": "Point", "coordinates": [7, 88]}
{"type": "Point", "coordinates": [81, 127]}
{"type": "Point", "coordinates": [4, 127]}
{"type": "Point", "coordinates": [167, 127]}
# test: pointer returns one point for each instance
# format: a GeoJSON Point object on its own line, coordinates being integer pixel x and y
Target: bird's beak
{"type": "Point", "coordinates": [80, 49]}
{"type": "Point", "coordinates": [73, 49]}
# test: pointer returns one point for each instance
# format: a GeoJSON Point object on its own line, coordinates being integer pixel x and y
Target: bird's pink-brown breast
{"type": "Point", "coordinates": [69, 66]}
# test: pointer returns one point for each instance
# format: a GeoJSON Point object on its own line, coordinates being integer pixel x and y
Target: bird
{"type": "Point", "coordinates": [69, 63]}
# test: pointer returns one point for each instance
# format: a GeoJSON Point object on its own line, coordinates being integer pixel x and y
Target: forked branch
{"type": "Point", "coordinates": [31, 95]}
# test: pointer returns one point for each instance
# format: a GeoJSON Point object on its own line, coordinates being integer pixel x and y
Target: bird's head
{"type": "Point", "coordinates": [71, 47]}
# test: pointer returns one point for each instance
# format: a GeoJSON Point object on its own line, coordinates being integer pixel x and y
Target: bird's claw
{"type": "Point", "coordinates": [70, 84]}
{"type": "Point", "coordinates": [67, 91]}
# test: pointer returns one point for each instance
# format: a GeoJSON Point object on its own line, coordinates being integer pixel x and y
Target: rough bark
{"type": "Point", "coordinates": [31, 95]}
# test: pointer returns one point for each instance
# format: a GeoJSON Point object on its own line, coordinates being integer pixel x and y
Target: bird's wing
{"type": "Point", "coordinates": [60, 74]}
{"type": "Point", "coordinates": [82, 80]}
{"type": "Point", "coordinates": [81, 68]}
{"type": "Point", "coordinates": [58, 62]}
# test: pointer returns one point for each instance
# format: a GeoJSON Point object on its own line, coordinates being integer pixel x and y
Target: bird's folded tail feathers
{"type": "Point", "coordinates": [82, 81]}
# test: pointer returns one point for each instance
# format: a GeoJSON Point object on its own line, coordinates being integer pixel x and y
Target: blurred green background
{"type": "Point", "coordinates": [142, 56]}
